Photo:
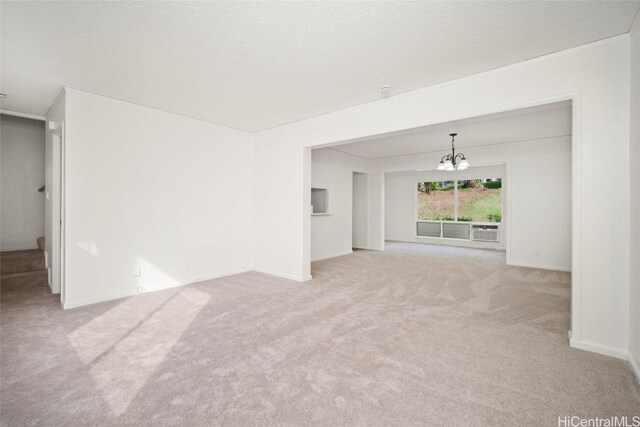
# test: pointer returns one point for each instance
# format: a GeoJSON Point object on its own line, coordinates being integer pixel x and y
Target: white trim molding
{"type": "Point", "coordinates": [538, 266]}
{"type": "Point", "coordinates": [598, 348]}
{"type": "Point", "coordinates": [283, 276]}
{"type": "Point", "coordinates": [349, 252]}
{"type": "Point", "coordinates": [576, 214]}
{"type": "Point", "coordinates": [23, 115]}
{"type": "Point", "coordinates": [88, 301]}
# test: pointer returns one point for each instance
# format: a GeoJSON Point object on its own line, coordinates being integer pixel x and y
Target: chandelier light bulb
{"type": "Point", "coordinates": [451, 162]}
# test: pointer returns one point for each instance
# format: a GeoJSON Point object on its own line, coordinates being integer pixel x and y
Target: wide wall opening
{"type": "Point", "coordinates": [514, 198]}
{"type": "Point", "coordinates": [515, 195]}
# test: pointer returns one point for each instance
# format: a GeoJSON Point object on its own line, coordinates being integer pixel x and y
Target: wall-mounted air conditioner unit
{"type": "Point", "coordinates": [485, 233]}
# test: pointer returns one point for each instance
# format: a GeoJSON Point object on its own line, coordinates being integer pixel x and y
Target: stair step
{"type": "Point", "coordinates": [15, 281]}
{"type": "Point", "coordinates": [21, 261]}
{"type": "Point", "coordinates": [23, 274]}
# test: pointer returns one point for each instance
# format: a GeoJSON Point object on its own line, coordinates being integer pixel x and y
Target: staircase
{"type": "Point", "coordinates": [22, 269]}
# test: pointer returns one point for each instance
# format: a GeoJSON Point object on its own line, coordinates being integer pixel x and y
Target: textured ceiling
{"type": "Point", "coordinates": [546, 121]}
{"type": "Point", "coordinates": [256, 65]}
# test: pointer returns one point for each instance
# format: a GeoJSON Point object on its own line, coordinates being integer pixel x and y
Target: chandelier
{"type": "Point", "coordinates": [453, 161]}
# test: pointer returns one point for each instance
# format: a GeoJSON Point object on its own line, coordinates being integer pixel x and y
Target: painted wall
{"type": "Point", "coordinates": [536, 198]}
{"type": "Point", "coordinates": [21, 174]}
{"type": "Point", "coordinates": [360, 212]}
{"type": "Point", "coordinates": [597, 75]}
{"type": "Point", "coordinates": [634, 159]}
{"type": "Point", "coordinates": [331, 235]}
{"type": "Point", "coordinates": [152, 199]}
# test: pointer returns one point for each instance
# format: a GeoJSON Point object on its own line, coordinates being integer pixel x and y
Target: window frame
{"type": "Point", "coordinates": [500, 224]}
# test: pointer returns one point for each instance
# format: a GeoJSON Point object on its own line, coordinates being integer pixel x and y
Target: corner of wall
{"type": "Point", "coordinates": [253, 140]}
{"type": "Point", "coordinates": [634, 198]}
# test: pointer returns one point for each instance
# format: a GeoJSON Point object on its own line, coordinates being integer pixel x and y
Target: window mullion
{"type": "Point", "coordinates": [455, 200]}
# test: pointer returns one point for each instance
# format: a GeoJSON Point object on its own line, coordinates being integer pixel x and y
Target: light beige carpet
{"type": "Point", "coordinates": [416, 335]}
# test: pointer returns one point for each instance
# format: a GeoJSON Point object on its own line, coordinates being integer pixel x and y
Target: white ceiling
{"type": "Point", "coordinates": [256, 65]}
{"type": "Point", "coordinates": [546, 121]}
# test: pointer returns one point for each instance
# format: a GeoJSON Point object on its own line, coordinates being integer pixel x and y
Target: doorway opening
{"type": "Point", "coordinates": [22, 239]}
{"type": "Point", "coordinates": [518, 192]}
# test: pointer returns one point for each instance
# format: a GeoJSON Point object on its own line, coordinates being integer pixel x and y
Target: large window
{"type": "Point", "coordinates": [472, 200]}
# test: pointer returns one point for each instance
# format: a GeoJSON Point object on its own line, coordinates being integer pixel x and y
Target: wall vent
{"type": "Point", "coordinates": [486, 233]}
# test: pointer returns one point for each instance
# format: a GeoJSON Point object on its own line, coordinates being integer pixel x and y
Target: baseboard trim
{"type": "Point", "coordinates": [218, 276]}
{"type": "Point", "coordinates": [322, 258]}
{"type": "Point", "coordinates": [460, 243]}
{"type": "Point", "coordinates": [80, 303]}
{"type": "Point", "coordinates": [598, 348]}
{"type": "Point", "coordinates": [89, 301]}
{"type": "Point", "coordinates": [283, 275]}
{"type": "Point", "coordinates": [539, 266]}
{"type": "Point", "coordinates": [634, 367]}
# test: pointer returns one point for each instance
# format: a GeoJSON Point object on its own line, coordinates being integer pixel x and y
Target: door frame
{"type": "Point", "coordinates": [575, 332]}
{"type": "Point", "coordinates": [365, 196]}
{"type": "Point", "coordinates": [55, 261]}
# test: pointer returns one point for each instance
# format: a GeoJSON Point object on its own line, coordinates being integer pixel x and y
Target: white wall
{"type": "Point", "coordinates": [331, 235]}
{"type": "Point", "coordinates": [152, 199]}
{"type": "Point", "coordinates": [22, 174]}
{"type": "Point", "coordinates": [634, 157]}
{"type": "Point", "coordinates": [536, 194]}
{"type": "Point", "coordinates": [360, 212]}
{"type": "Point", "coordinates": [596, 75]}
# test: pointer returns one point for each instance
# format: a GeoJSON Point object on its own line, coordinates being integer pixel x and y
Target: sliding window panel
{"type": "Point", "coordinates": [436, 201]}
{"type": "Point", "coordinates": [480, 200]}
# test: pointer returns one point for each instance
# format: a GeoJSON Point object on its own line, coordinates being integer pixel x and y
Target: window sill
{"type": "Point", "coordinates": [320, 214]}
{"type": "Point", "coordinates": [447, 238]}
{"type": "Point", "coordinates": [460, 222]}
